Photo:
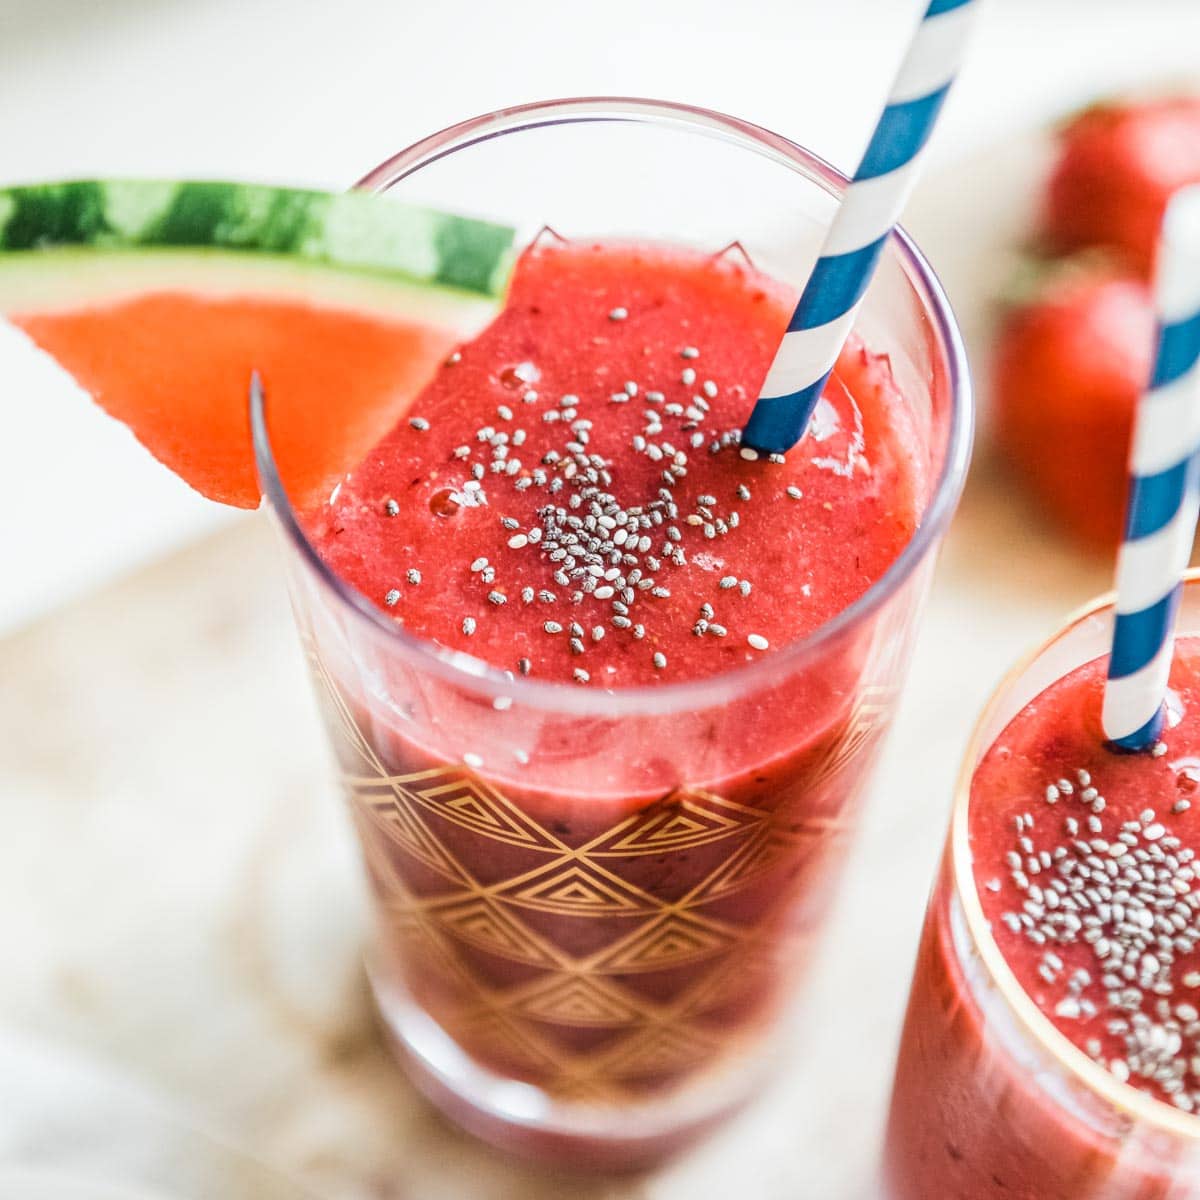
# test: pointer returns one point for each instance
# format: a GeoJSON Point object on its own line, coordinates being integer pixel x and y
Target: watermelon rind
{"type": "Point", "coordinates": [51, 231]}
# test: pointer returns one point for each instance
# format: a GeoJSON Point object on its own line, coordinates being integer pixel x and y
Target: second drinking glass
{"type": "Point", "coordinates": [992, 1098]}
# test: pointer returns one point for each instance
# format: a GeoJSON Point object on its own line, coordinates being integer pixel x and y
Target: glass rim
{"type": "Point", "coordinates": [1045, 1034]}
{"type": "Point", "coordinates": [459, 667]}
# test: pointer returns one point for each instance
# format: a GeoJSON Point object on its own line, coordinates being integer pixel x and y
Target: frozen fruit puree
{"type": "Point", "coordinates": [567, 499]}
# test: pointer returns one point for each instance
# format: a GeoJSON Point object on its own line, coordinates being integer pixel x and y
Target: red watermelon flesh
{"type": "Point", "coordinates": [176, 369]}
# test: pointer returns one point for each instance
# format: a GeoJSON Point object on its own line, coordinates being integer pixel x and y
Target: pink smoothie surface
{"type": "Point", "coordinates": [1084, 863]}
{"type": "Point", "coordinates": [566, 498]}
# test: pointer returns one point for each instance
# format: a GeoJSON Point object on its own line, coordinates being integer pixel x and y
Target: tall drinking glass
{"type": "Point", "coordinates": [591, 907]}
{"type": "Point", "coordinates": [991, 1100]}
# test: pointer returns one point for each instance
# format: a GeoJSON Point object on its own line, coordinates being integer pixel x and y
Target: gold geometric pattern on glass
{"type": "Point", "coordinates": [577, 1000]}
{"type": "Point", "coordinates": [567, 971]}
{"type": "Point", "coordinates": [466, 801]}
{"type": "Point", "coordinates": [687, 823]}
{"type": "Point", "coordinates": [483, 923]}
{"type": "Point", "coordinates": [671, 941]}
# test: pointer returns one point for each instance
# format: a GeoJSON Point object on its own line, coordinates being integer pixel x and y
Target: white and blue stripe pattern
{"type": "Point", "coordinates": [864, 220]}
{"type": "Point", "coordinates": [1164, 495]}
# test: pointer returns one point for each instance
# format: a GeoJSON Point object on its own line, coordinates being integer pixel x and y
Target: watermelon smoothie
{"type": "Point", "coordinates": [542, 570]}
{"type": "Point", "coordinates": [1081, 869]}
{"type": "Point", "coordinates": [603, 692]}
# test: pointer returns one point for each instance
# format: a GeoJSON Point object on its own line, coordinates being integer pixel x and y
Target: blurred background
{"type": "Point", "coordinates": [179, 910]}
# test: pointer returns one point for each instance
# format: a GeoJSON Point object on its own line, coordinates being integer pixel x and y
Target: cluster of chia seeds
{"type": "Point", "coordinates": [598, 546]}
{"type": "Point", "coordinates": [1130, 895]}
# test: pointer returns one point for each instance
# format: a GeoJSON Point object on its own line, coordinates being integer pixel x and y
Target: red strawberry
{"type": "Point", "coordinates": [1117, 166]}
{"type": "Point", "coordinates": [1069, 367]}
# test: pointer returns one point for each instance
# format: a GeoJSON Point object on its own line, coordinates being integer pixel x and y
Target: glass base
{"type": "Point", "coordinates": [524, 1121]}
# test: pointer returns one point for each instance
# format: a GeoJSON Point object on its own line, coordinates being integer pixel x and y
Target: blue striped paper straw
{"type": "Point", "coordinates": [869, 210]}
{"type": "Point", "coordinates": [1164, 495]}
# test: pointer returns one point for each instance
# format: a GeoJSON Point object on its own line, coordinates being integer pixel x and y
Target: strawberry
{"type": "Point", "coordinates": [1069, 366]}
{"type": "Point", "coordinates": [1118, 164]}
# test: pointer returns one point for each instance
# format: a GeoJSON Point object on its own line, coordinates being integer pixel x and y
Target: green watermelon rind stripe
{"type": "Point", "coordinates": [350, 230]}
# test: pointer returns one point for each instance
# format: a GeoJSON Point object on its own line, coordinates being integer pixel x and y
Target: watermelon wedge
{"type": "Point", "coordinates": [161, 298]}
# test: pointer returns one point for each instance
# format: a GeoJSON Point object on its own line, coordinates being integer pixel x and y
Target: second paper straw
{"type": "Point", "coordinates": [1164, 495]}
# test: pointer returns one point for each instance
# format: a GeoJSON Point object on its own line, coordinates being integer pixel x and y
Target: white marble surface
{"type": "Point", "coordinates": [179, 893]}
{"type": "Point", "coordinates": [75, 1128]}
